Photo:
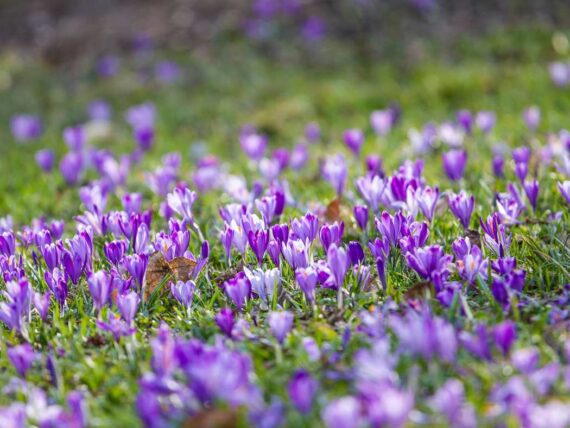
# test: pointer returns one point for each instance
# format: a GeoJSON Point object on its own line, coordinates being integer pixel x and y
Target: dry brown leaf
{"type": "Point", "coordinates": [474, 237]}
{"type": "Point", "coordinates": [158, 269]}
{"type": "Point", "coordinates": [214, 418]}
{"type": "Point", "coordinates": [419, 290]}
{"type": "Point", "coordinates": [332, 212]}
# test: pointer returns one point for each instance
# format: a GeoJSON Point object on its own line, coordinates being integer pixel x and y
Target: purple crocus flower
{"type": "Point", "coordinates": [99, 110]}
{"type": "Point", "coordinates": [280, 323]}
{"type": "Point", "coordinates": [75, 138]}
{"type": "Point", "coordinates": [465, 120]}
{"type": "Point", "coordinates": [427, 200]}
{"type": "Point", "coordinates": [167, 71]}
{"type": "Point", "coordinates": [334, 170]}
{"type": "Point", "coordinates": [312, 132]}
{"type": "Point", "coordinates": [428, 260]}
{"type": "Point", "coordinates": [331, 234]}
{"type": "Point", "coordinates": [305, 228]}
{"type": "Point", "coordinates": [238, 289]}
{"type": "Point", "coordinates": [45, 159]}
{"type": "Point", "coordinates": [485, 121]}
{"type": "Point", "coordinates": [116, 326]}
{"type": "Point", "coordinates": [559, 73]}
{"type": "Point", "coordinates": [314, 29]}
{"type": "Point", "coordinates": [183, 291]}
{"type": "Point", "coordinates": [71, 168]}
{"type": "Point", "coordinates": [344, 412]}
{"type": "Point", "coordinates": [57, 283]}
{"type": "Point", "coordinates": [382, 121]}
{"type": "Point", "coordinates": [498, 166]}
{"type": "Point", "coordinates": [132, 203]}
{"type": "Point", "coordinates": [253, 145]}
{"type": "Point", "coordinates": [225, 321]}
{"type": "Point", "coordinates": [338, 263]}
{"type": "Point", "coordinates": [42, 303]}
{"type": "Point", "coordinates": [564, 189]}
{"type": "Point", "coordinates": [355, 253]}
{"type": "Point", "coordinates": [354, 140]}
{"type": "Point", "coordinates": [374, 165]}
{"type": "Point", "coordinates": [258, 242]}
{"type": "Point", "coordinates": [22, 358]}
{"type": "Point", "coordinates": [227, 236]}
{"type": "Point", "coordinates": [391, 227]}
{"type": "Point", "coordinates": [521, 155]}
{"type": "Point", "coordinates": [449, 400]}
{"type": "Point", "coordinates": [470, 262]}
{"type": "Point", "coordinates": [531, 117]}
{"type": "Point", "coordinates": [299, 157]}
{"type": "Point", "coordinates": [454, 162]}
{"type": "Point", "coordinates": [26, 127]}
{"type": "Point", "coordinates": [361, 216]}
{"type": "Point", "coordinates": [99, 286]}
{"type": "Point", "coordinates": [302, 389]}
{"type": "Point", "coordinates": [505, 335]}
{"type": "Point", "coordinates": [181, 202]}
{"type": "Point", "coordinates": [115, 250]}
{"type": "Point", "coordinates": [296, 252]}
{"type": "Point", "coordinates": [136, 265]}
{"type": "Point", "coordinates": [531, 188]}
{"type": "Point", "coordinates": [128, 304]}
{"type": "Point", "coordinates": [307, 280]}
{"type": "Point", "coordinates": [461, 205]}
{"type": "Point", "coordinates": [372, 189]}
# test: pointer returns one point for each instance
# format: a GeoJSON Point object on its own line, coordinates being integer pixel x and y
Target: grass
{"type": "Point", "coordinates": [205, 112]}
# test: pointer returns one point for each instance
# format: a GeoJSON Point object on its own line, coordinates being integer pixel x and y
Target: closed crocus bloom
{"type": "Point", "coordinates": [312, 132]}
{"type": "Point", "coordinates": [454, 162]}
{"type": "Point", "coordinates": [344, 412]}
{"type": "Point", "coordinates": [45, 159]}
{"type": "Point", "coordinates": [26, 127]}
{"type": "Point", "coordinates": [71, 167]}
{"type": "Point", "coordinates": [280, 323]}
{"type": "Point", "coordinates": [128, 304]}
{"type": "Point", "coordinates": [181, 202]}
{"type": "Point", "coordinates": [485, 121]}
{"type": "Point", "coordinates": [564, 189]}
{"type": "Point", "coordinates": [361, 216]}
{"type": "Point", "coordinates": [99, 287]}
{"type": "Point", "coordinates": [238, 289]}
{"type": "Point", "coordinates": [498, 166]}
{"type": "Point", "coordinates": [302, 389]}
{"type": "Point", "coordinates": [354, 140]}
{"type": "Point", "coordinates": [22, 357]}
{"type": "Point", "coordinates": [427, 200]}
{"type": "Point", "coordinates": [183, 291]}
{"type": "Point", "coordinates": [225, 321]}
{"type": "Point", "coordinates": [253, 145]}
{"type": "Point", "coordinates": [307, 280]}
{"type": "Point", "coordinates": [382, 121]}
{"type": "Point", "coordinates": [465, 120]}
{"type": "Point", "coordinates": [531, 188]}
{"type": "Point", "coordinates": [355, 253]}
{"type": "Point", "coordinates": [334, 170]}
{"type": "Point", "coordinates": [559, 73]}
{"type": "Point", "coordinates": [74, 138]}
{"type": "Point", "coordinates": [531, 117]}
{"type": "Point", "coordinates": [461, 205]}
{"type": "Point", "coordinates": [505, 335]}
{"type": "Point", "coordinates": [299, 157]}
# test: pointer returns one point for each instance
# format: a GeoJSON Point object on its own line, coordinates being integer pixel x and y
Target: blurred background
{"type": "Point", "coordinates": [64, 32]}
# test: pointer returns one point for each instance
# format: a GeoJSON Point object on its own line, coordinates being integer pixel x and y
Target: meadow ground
{"type": "Point", "coordinates": [411, 329]}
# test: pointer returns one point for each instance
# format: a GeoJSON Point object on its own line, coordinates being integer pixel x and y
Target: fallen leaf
{"type": "Point", "coordinates": [419, 290]}
{"type": "Point", "coordinates": [332, 212]}
{"type": "Point", "coordinates": [158, 269]}
{"type": "Point", "coordinates": [214, 418]}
